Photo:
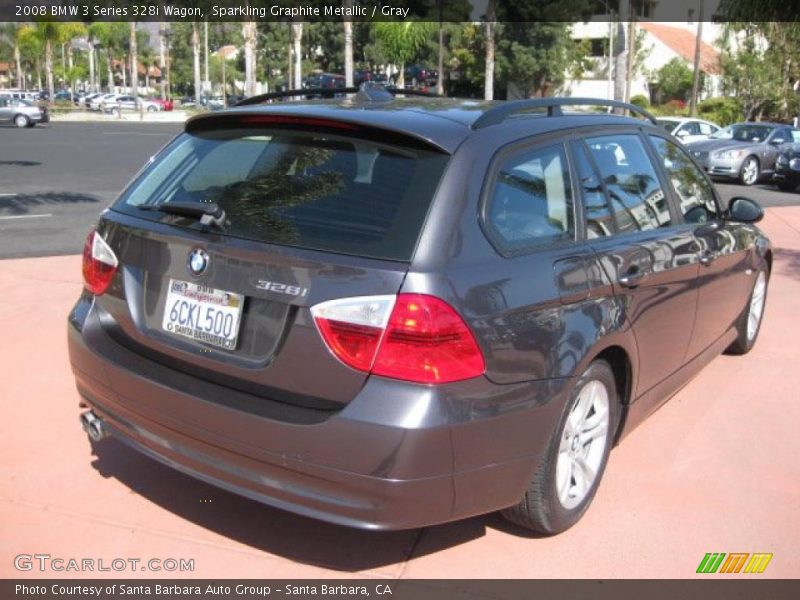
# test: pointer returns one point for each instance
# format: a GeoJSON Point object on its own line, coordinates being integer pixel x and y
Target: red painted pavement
{"type": "Point", "coordinates": [716, 470]}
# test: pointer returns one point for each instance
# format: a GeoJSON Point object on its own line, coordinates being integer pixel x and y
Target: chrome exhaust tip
{"type": "Point", "coordinates": [93, 426]}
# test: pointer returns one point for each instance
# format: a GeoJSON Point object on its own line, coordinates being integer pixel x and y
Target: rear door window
{"type": "Point", "coordinates": [315, 191]}
{"type": "Point", "coordinates": [531, 200]}
{"type": "Point", "coordinates": [638, 202]}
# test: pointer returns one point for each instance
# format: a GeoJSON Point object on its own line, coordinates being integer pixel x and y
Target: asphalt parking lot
{"type": "Point", "coordinates": [55, 180]}
{"type": "Point", "coordinates": [715, 470]}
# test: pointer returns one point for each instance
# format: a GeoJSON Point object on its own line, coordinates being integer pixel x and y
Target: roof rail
{"type": "Point", "coordinates": [499, 113]}
{"type": "Point", "coordinates": [369, 91]}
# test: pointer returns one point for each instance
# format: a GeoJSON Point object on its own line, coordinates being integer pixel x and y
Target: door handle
{"type": "Point", "coordinates": [632, 278]}
{"type": "Point", "coordinates": [706, 257]}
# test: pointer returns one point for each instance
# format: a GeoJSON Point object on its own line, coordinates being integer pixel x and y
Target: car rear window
{"type": "Point", "coordinates": [309, 190]}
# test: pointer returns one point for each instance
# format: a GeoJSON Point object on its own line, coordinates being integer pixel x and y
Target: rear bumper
{"type": "Point", "coordinates": [398, 456]}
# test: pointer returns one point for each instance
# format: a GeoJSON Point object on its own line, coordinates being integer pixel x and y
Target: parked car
{"type": "Point", "coordinates": [123, 102]}
{"type": "Point", "coordinates": [489, 296]}
{"type": "Point", "coordinates": [18, 94]}
{"type": "Point", "coordinates": [87, 99]}
{"type": "Point", "coordinates": [96, 103]}
{"type": "Point", "coordinates": [166, 104]}
{"type": "Point", "coordinates": [65, 97]}
{"type": "Point", "coordinates": [420, 75]}
{"type": "Point", "coordinates": [688, 130]}
{"type": "Point", "coordinates": [22, 113]}
{"type": "Point", "coordinates": [745, 152]}
{"type": "Point", "coordinates": [787, 166]}
{"type": "Point", "coordinates": [324, 80]}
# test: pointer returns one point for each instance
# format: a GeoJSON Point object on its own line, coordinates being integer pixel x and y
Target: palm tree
{"type": "Point", "coordinates": [111, 36]}
{"type": "Point", "coordinates": [348, 45]}
{"type": "Point", "coordinates": [401, 41]}
{"type": "Point", "coordinates": [198, 86]}
{"type": "Point", "coordinates": [297, 38]}
{"type": "Point", "coordinates": [10, 31]}
{"type": "Point", "coordinates": [488, 85]}
{"type": "Point", "coordinates": [134, 58]}
{"type": "Point", "coordinates": [30, 49]}
{"type": "Point", "coordinates": [49, 34]}
{"type": "Point", "coordinates": [249, 33]}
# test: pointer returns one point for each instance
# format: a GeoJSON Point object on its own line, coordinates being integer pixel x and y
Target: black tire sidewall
{"type": "Point", "coordinates": [558, 517]}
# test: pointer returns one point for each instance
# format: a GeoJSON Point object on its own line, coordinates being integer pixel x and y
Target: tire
{"type": "Point", "coordinates": [151, 109]}
{"type": "Point", "coordinates": [746, 330]}
{"type": "Point", "coordinates": [22, 121]}
{"type": "Point", "coordinates": [750, 171]}
{"type": "Point", "coordinates": [543, 508]}
{"type": "Point", "coordinates": [786, 186]}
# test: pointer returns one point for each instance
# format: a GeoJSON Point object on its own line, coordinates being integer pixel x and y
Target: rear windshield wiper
{"type": "Point", "coordinates": [209, 213]}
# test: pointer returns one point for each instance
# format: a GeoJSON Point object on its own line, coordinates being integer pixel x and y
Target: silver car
{"type": "Point", "coordinates": [745, 152]}
{"type": "Point", "coordinates": [114, 105]}
{"type": "Point", "coordinates": [22, 113]}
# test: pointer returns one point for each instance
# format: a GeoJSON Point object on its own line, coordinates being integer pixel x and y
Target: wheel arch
{"type": "Point", "coordinates": [619, 359]}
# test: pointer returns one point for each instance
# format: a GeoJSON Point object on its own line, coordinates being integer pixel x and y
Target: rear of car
{"type": "Point", "coordinates": [22, 113]}
{"type": "Point", "coordinates": [245, 321]}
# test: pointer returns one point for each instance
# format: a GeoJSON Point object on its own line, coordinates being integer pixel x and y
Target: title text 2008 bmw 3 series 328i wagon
{"type": "Point", "coordinates": [389, 312]}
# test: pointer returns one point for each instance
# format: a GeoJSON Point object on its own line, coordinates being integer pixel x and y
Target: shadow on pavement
{"type": "Point", "coordinates": [19, 163]}
{"type": "Point", "coordinates": [23, 203]}
{"type": "Point", "coordinates": [788, 261]}
{"type": "Point", "coordinates": [276, 531]}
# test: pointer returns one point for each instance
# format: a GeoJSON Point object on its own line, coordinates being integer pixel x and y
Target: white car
{"type": "Point", "coordinates": [687, 129]}
{"type": "Point", "coordinates": [96, 103]}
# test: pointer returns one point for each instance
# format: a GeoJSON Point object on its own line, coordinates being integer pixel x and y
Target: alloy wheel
{"type": "Point", "coordinates": [583, 444]}
{"type": "Point", "coordinates": [756, 305]}
{"type": "Point", "coordinates": [750, 171]}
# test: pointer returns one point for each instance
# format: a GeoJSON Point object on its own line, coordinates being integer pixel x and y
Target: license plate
{"type": "Point", "coordinates": [202, 313]}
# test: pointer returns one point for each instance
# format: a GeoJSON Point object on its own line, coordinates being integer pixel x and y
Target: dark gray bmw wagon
{"type": "Point", "coordinates": [391, 312]}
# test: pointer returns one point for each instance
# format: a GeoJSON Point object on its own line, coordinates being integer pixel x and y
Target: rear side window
{"type": "Point", "coordinates": [697, 201]}
{"type": "Point", "coordinates": [638, 202]}
{"type": "Point", "coordinates": [531, 200]}
{"type": "Point", "coordinates": [314, 191]}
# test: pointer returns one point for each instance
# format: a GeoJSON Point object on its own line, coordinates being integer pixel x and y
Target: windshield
{"type": "Point", "coordinates": [744, 132]}
{"type": "Point", "coordinates": [668, 124]}
{"type": "Point", "coordinates": [309, 190]}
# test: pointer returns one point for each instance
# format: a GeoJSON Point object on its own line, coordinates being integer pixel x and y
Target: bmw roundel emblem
{"type": "Point", "coordinates": [198, 261]}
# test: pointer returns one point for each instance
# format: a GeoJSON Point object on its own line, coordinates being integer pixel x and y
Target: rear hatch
{"type": "Point", "coordinates": [314, 210]}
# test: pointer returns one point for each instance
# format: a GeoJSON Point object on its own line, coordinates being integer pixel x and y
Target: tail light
{"type": "Point", "coordinates": [99, 264]}
{"type": "Point", "coordinates": [413, 337]}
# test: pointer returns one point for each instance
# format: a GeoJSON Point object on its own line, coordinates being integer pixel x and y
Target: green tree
{"type": "Point", "coordinates": [674, 80]}
{"type": "Point", "coordinates": [761, 66]}
{"type": "Point", "coordinates": [31, 48]}
{"type": "Point", "coordinates": [112, 37]}
{"type": "Point", "coordinates": [537, 57]}
{"type": "Point", "coordinates": [401, 41]}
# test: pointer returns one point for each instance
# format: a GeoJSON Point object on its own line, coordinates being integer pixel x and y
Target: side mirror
{"type": "Point", "coordinates": [745, 210]}
{"type": "Point", "coordinates": [777, 141]}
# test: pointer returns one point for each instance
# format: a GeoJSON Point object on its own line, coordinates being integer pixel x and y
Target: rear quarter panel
{"type": "Point", "coordinates": [541, 315]}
